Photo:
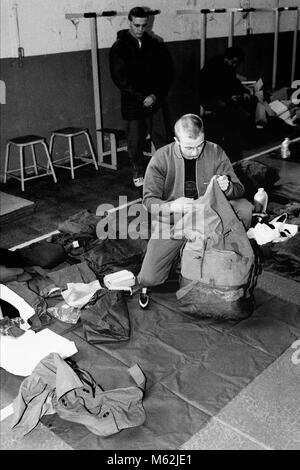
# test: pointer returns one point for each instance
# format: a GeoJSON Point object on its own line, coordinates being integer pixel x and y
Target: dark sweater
{"type": "Point", "coordinates": [139, 72]}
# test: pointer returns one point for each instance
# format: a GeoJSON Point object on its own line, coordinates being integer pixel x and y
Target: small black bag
{"type": "Point", "coordinates": [105, 319]}
{"type": "Point", "coordinates": [44, 254]}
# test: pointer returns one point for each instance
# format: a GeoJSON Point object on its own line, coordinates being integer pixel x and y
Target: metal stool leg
{"type": "Point", "coordinates": [71, 156]}
{"type": "Point", "coordinates": [6, 161]}
{"type": "Point", "coordinates": [49, 164]}
{"type": "Point", "coordinates": [113, 150]}
{"type": "Point", "coordinates": [34, 159]}
{"type": "Point", "coordinates": [50, 149]}
{"type": "Point", "coordinates": [22, 168]}
{"type": "Point", "coordinates": [51, 144]}
{"type": "Point", "coordinates": [91, 149]}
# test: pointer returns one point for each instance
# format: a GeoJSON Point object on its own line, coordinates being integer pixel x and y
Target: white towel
{"type": "Point", "coordinates": [20, 355]}
{"type": "Point", "coordinates": [119, 279]}
{"type": "Point", "coordinates": [78, 294]}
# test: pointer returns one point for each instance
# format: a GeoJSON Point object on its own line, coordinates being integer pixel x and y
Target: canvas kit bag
{"type": "Point", "coordinates": [219, 268]}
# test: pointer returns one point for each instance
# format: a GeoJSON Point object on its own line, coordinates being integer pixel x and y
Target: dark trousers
{"type": "Point", "coordinates": [156, 125]}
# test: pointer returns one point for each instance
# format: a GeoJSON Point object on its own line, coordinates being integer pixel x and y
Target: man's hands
{"type": "Point", "coordinates": [223, 182]}
{"type": "Point", "coordinates": [185, 204]}
{"type": "Point", "coordinates": [241, 97]}
{"type": "Point", "coordinates": [149, 101]}
{"type": "Point", "coordinates": [247, 97]}
{"type": "Point", "coordinates": [182, 204]}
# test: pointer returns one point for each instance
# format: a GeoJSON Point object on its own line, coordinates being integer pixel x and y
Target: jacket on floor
{"type": "Point", "coordinates": [56, 387]}
{"type": "Point", "coordinates": [139, 72]}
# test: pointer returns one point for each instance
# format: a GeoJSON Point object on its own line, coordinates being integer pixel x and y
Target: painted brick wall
{"type": "Point", "coordinates": [52, 86]}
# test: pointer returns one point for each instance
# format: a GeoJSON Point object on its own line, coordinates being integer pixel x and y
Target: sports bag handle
{"type": "Point", "coordinates": [280, 219]}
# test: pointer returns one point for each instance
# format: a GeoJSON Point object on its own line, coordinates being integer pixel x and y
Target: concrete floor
{"type": "Point", "coordinates": [54, 203]}
{"type": "Point", "coordinates": [265, 415]}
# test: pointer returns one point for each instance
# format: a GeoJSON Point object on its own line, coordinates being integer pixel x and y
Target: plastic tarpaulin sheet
{"type": "Point", "coordinates": [194, 367]}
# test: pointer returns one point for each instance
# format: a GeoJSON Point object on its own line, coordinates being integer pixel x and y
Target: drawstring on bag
{"type": "Point", "coordinates": [202, 258]}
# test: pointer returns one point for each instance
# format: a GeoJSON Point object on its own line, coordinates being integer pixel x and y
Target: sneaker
{"type": "Point", "coordinates": [138, 182]}
{"type": "Point", "coordinates": [144, 298]}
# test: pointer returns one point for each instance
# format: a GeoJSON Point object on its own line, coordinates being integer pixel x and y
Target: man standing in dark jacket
{"type": "Point", "coordinates": [141, 68]}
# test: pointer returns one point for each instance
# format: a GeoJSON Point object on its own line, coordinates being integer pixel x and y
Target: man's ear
{"type": "Point", "coordinates": [176, 140]}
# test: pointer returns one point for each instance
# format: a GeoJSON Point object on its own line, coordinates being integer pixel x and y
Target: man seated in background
{"type": "Point", "coordinates": [178, 174]}
{"type": "Point", "coordinates": [222, 93]}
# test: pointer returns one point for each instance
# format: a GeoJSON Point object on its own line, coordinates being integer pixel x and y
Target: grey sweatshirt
{"type": "Point", "coordinates": [164, 178]}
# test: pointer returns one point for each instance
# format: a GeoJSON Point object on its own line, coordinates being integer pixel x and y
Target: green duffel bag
{"type": "Point", "coordinates": [219, 268]}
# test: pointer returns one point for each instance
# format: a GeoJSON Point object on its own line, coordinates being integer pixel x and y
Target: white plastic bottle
{"type": "Point", "coordinates": [261, 201]}
{"type": "Point", "coordinates": [285, 151]}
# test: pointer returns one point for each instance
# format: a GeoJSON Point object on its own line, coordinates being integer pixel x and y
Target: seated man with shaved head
{"type": "Point", "coordinates": [176, 175]}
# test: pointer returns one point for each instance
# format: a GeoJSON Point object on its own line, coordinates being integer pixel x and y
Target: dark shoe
{"type": "Point", "coordinates": [260, 124]}
{"type": "Point", "coordinates": [144, 298]}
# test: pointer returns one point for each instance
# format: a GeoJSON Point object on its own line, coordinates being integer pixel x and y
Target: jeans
{"type": "Point", "coordinates": [137, 131]}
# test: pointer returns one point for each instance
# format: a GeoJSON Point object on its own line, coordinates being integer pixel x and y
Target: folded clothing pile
{"type": "Point", "coordinates": [283, 258]}
{"type": "Point", "coordinates": [79, 238]}
{"type": "Point", "coordinates": [119, 280]}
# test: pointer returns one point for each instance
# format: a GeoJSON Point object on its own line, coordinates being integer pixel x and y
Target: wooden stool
{"type": "Point", "coordinates": [115, 135]}
{"type": "Point", "coordinates": [70, 133]}
{"type": "Point", "coordinates": [23, 142]}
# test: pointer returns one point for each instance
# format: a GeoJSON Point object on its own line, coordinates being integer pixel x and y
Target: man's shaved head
{"type": "Point", "coordinates": [189, 135]}
{"type": "Point", "coordinates": [189, 125]}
